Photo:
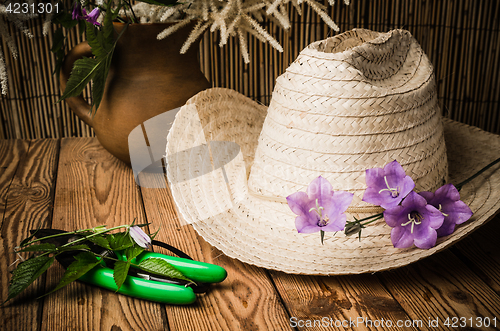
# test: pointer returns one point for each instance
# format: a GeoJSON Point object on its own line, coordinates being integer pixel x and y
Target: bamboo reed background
{"type": "Point", "coordinates": [461, 38]}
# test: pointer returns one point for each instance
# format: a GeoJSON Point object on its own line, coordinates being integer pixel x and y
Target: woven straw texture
{"type": "Point", "coordinates": [348, 103]}
{"type": "Point", "coordinates": [352, 102]}
{"type": "Point", "coordinates": [215, 198]}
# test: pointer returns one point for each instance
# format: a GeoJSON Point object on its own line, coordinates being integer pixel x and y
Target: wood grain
{"type": "Point", "coordinates": [441, 286]}
{"type": "Point", "coordinates": [27, 172]}
{"type": "Point", "coordinates": [94, 188]}
{"type": "Point", "coordinates": [347, 302]}
{"type": "Point", "coordinates": [87, 187]}
{"type": "Point", "coordinates": [481, 252]}
{"type": "Point", "coordinates": [246, 300]}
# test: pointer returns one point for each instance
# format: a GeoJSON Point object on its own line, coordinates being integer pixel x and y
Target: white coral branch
{"type": "Point", "coordinates": [317, 8]}
{"type": "Point", "coordinates": [263, 32]}
{"type": "Point", "coordinates": [195, 33]}
{"type": "Point", "coordinates": [171, 29]}
{"type": "Point", "coordinates": [3, 75]}
{"type": "Point", "coordinates": [243, 46]}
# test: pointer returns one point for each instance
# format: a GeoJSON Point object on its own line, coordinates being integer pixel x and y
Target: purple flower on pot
{"type": "Point", "coordinates": [93, 16]}
{"type": "Point", "coordinates": [320, 208]}
{"type": "Point", "coordinates": [447, 200]}
{"type": "Point", "coordinates": [140, 237]}
{"type": "Point", "coordinates": [77, 11]}
{"type": "Point", "coordinates": [387, 187]}
{"type": "Point", "coordinates": [414, 222]}
{"type": "Point", "coordinates": [80, 13]}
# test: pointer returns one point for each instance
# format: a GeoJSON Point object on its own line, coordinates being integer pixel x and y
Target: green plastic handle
{"type": "Point", "coordinates": [141, 288]}
{"type": "Point", "coordinates": [196, 271]}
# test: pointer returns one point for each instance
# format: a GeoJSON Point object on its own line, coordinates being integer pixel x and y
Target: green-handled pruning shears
{"type": "Point", "coordinates": [140, 284]}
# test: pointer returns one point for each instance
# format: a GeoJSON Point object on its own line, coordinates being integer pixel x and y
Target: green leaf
{"type": "Point", "coordinates": [44, 247]}
{"type": "Point", "coordinates": [81, 27]}
{"type": "Point", "coordinates": [99, 82]}
{"type": "Point", "coordinates": [58, 40]}
{"type": "Point", "coordinates": [120, 241]}
{"type": "Point", "coordinates": [96, 42]}
{"type": "Point", "coordinates": [161, 267]}
{"type": "Point", "coordinates": [100, 241]}
{"type": "Point", "coordinates": [83, 72]}
{"type": "Point", "coordinates": [26, 273]}
{"type": "Point", "coordinates": [108, 30]}
{"type": "Point", "coordinates": [120, 272]}
{"type": "Point", "coordinates": [133, 252]}
{"type": "Point", "coordinates": [154, 234]}
{"type": "Point", "coordinates": [83, 263]}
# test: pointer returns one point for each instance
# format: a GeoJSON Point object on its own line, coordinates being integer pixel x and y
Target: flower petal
{"type": "Point", "coordinates": [93, 16]}
{"type": "Point", "coordinates": [428, 196]}
{"type": "Point", "coordinates": [459, 213]}
{"type": "Point", "coordinates": [401, 237]}
{"type": "Point", "coordinates": [432, 217]}
{"type": "Point", "coordinates": [321, 189]}
{"type": "Point", "coordinates": [425, 237]}
{"type": "Point", "coordinates": [387, 187]}
{"type": "Point", "coordinates": [448, 191]}
{"type": "Point", "coordinates": [77, 11]}
{"type": "Point", "coordinates": [456, 213]}
{"type": "Point", "coordinates": [395, 216]}
{"type": "Point", "coordinates": [394, 168]}
{"type": "Point", "coordinates": [372, 176]}
{"type": "Point", "coordinates": [305, 224]}
{"type": "Point", "coordinates": [337, 224]}
{"type": "Point", "coordinates": [407, 185]}
{"type": "Point", "coordinates": [140, 237]}
{"type": "Point", "coordinates": [373, 196]}
{"type": "Point", "coordinates": [342, 200]}
{"type": "Point", "coordinates": [298, 202]}
{"type": "Point", "coordinates": [414, 201]}
{"type": "Point", "coordinates": [446, 229]}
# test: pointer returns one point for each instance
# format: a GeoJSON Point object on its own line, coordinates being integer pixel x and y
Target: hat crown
{"type": "Point", "coordinates": [355, 101]}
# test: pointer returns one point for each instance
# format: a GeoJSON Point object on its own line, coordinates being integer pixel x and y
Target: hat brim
{"type": "Point", "coordinates": [209, 186]}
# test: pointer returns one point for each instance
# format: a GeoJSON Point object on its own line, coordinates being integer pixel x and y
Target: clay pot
{"type": "Point", "coordinates": [147, 77]}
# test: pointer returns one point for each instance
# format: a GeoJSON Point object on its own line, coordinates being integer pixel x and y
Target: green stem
{"type": "Point", "coordinates": [134, 18]}
{"type": "Point", "coordinates": [459, 186]}
{"type": "Point", "coordinates": [379, 216]}
{"type": "Point", "coordinates": [75, 232]}
{"type": "Point", "coordinates": [95, 234]}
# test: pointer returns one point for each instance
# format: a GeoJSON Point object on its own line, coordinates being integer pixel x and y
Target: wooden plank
{"type": "Point", "coordinates": [344, 303]}
{"type": "Point", "coordinates": [94, 188]}
{"type": "Point", "coordinates": [246, 300]}
{"type": "Point", "coordinates": [26, 185]}
{"type": "Point", "coordinates": [441, 286]}
{"type": "Point", "coordinates": [481, 252]}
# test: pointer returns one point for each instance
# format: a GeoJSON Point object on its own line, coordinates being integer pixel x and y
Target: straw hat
{"type": "Point", "coordinates": [355, 101]}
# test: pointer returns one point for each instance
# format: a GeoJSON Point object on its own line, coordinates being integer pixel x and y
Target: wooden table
{"type": "Point", "coordinates": [73, 183]}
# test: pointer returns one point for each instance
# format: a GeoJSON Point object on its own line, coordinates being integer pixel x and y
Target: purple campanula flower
{"type": "Point", "coordinates": [414, 222]}
{"type": "Point", "coordinates": [140, 237]}
{"type": "Point", "coordinates": [80, 13]}
{"type": "Point", "coordinates": [447, 200]}
{"type": "Point", "coordinates": [320, 209]}
{"type": "Point", "coordinates": [93, 16]}
{"type": "Point", "coordinates": [387, 187]}
{"type": "Point", "coordinates": [77, 13]}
